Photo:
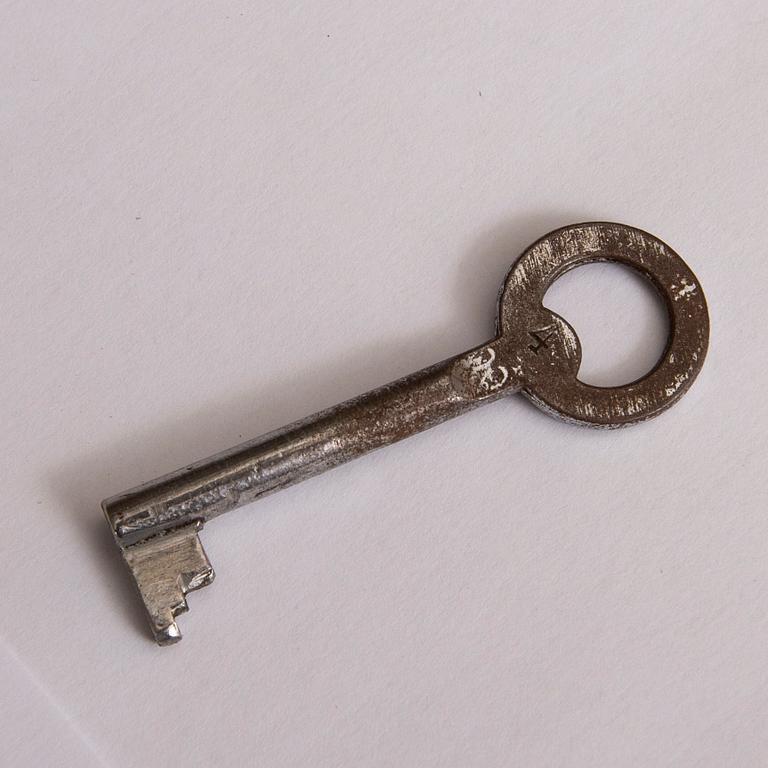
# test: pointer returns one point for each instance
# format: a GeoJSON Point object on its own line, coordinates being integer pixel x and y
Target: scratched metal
{"type": "Point", "coordinates": [534, 351]}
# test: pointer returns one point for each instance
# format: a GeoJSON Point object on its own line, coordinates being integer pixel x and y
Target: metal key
{"type": "Point", "coordinates": [534, 352]}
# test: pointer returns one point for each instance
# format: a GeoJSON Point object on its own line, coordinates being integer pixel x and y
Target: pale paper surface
{"type": "Point", "coordinates": [216, 218]}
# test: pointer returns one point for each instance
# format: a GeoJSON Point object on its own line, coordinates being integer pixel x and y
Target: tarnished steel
{"type": "Point", "coordinates": [534, 351]}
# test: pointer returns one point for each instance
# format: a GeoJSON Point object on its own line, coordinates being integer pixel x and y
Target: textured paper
{"type": "Point", "coordinates": [216, 218]}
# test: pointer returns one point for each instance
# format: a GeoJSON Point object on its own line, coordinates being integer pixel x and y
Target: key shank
{"type": "Point", "coordinates": [240, 475]}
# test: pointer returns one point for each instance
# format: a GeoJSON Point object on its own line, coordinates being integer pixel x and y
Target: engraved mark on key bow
{"type": "Point", "coordinates": [477, 374]}
{"type": "Point", "coordinates": [541, 337]}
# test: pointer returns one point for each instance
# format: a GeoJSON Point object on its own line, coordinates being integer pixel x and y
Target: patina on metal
{"type": "Point", "coordinates": [534, 351]}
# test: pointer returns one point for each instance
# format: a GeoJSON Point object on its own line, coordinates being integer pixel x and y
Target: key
{"type": "Point", "coordinates": [534, 351]}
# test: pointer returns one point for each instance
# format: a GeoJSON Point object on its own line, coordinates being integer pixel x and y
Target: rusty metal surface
{"type": "Point", "coordinates": [563, 394]}
{"type": "Point", "coordinates": [534, 351]}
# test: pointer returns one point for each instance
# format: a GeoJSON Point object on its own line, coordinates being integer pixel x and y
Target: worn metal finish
{"type": "Point", "coordinates": [534, 352]}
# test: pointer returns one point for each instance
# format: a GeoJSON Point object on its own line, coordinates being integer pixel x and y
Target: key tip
{"type": "Point", "coordinates": [168, 635]}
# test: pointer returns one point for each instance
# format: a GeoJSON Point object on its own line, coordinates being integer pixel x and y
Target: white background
{"type": "Point", "coordinates": [216, 218]}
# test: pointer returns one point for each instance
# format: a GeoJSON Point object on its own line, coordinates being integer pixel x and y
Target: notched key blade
{"type": "Point", "coordinates": [167, 567]}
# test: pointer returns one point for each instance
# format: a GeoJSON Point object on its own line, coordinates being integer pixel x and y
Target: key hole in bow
{"type": "Point", "coordinates": [619, 317]}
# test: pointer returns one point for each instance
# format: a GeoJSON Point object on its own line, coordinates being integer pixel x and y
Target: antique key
{"type": "Point", "coordinates": [534, 352]}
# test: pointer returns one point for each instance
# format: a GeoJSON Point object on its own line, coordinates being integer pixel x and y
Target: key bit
{"type": "Point", "coordinates": [166, 568]}
{"type": "Point", "coordinates": [534, 352]}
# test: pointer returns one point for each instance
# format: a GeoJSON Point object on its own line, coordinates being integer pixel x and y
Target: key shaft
{"type": "Point", "coordinates": [240, 475]}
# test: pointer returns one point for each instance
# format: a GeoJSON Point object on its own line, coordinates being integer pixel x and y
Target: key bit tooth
{"type": "Point", "coordinates": [166, 568]}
